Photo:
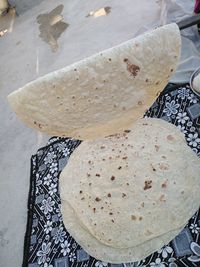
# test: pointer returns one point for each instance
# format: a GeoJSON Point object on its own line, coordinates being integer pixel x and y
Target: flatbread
{"type": "Point", "coordinates": [106, 253]}
{"type": "Point", "coordinates": [129, 189]}
{"type": "Point", "coordinates": [103, 94]}
{"type": "Point", "coordinates": [196, 83]}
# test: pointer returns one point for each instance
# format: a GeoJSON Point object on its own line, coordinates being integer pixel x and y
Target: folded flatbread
{"type": "Point", "coordinates": [103, 94]}
{"type": "Point", "coordinates": [125, 196]}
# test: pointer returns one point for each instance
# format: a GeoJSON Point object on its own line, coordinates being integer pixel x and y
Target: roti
{"type": "Point", "coordinates": [103, 94]}
{"type": "Point", "coordinates": [106, 253]}
{"type": "Point", "coordinates": [130, 191]}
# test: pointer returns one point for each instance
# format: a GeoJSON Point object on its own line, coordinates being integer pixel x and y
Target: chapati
{"type": "Point", "coordinates": [103, 94]}
{"type": "Point", "coordinates": [129, 190]}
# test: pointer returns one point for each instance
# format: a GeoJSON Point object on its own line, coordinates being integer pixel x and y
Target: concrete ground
{"type": "Point", "coordinates": [42, 37]}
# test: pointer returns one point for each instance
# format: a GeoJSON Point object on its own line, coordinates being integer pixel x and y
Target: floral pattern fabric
{"type": "Point", "coordinates": [47, 242]}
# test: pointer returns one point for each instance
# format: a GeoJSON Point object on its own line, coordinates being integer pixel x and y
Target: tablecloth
{"type": "Point", "coordinates": [47, 242]}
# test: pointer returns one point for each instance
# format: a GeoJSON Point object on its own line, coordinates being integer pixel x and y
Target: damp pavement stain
{"type": "Point", "coordinates": [3, 7]}
{"type": "Point", "coordinates": [3, 32]}
{"type": "Point", "coordinates": [7, 22]}
{"type": "Point", "coordinates": [100, 12]}
{"type": "Point", "coordinates": [51, 26]}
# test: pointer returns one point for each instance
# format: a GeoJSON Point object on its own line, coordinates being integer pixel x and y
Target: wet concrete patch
{"type": "Point", "coordinates": [3, 7]}
{"type": "Point", "coordinates": [7, 22]}
{"type": "Point", "coordinates": [51, 26]}
{"type": "Point", "coordinates": [3, 32]}
{"type": "Point", "coordinates": [100, 12]}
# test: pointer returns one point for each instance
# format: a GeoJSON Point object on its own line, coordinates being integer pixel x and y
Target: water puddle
{"type": "Point", "coordinates": [7, 22]}
{"type": "Point", "coordinates": [100, 12]}
{"type": "Point", "coordinates": [51, 26]}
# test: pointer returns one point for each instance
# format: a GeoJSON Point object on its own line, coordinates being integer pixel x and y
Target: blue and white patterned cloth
{"type": "Point", "coordinates": [47, 242]}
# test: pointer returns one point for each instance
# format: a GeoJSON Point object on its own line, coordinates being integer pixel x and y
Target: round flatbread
{"type": "Point", "coordinates": [129, 189]}
{"type": "Point", "coordinates": [106, 253]}
{"type": "Point", "coordinates": [103, 94]}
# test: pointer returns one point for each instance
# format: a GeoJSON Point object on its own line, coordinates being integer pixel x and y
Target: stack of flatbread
{"type": "Point", "coordinates": [125, 196]}
{"type": "Point", "coordinates": [133, 183]}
